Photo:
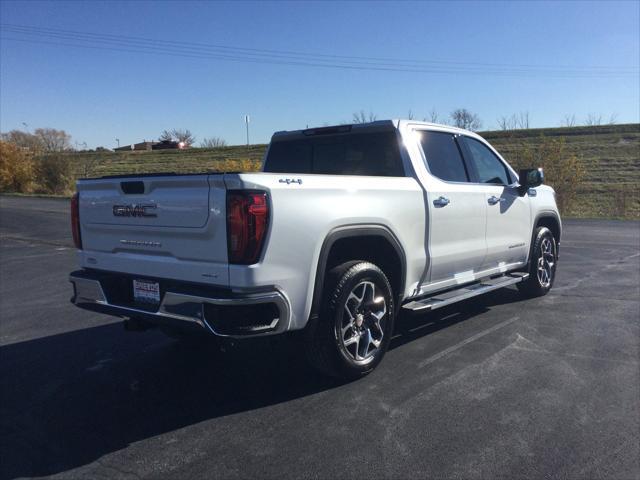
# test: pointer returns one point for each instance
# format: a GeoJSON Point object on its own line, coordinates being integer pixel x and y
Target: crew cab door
{"type": "Point", "coordinates": [508, 230]}
{"type": "Point", "coordinates": [457, 212]}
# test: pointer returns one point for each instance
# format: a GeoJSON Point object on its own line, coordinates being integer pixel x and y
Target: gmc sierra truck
{"type": "Point", "coordinates": [344, 227]}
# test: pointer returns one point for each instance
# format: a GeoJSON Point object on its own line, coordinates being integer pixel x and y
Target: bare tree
{"type": "Point", "coordinates": [463, 118]}
{"type": "Point", "coordinates": [361, 117]}
{"type": "Point", "coordinates": [507, 123]}
{"type": "Point", "coordinates": [568, 121]}
{"type": "Point", "coordinates": [184, 136]}
{"type": "Point", "coordinates": [513, 122]}
{"type": "Point", "coordinates": [53, 140]}
{"type": "Point", "coordinates": [410, 115]}
{"type": "Point", "coordinates": [22, 139]}
{"type": "Point", "coordinates": [90, 162]}
{"type": "Point", "coordinates": [213, 142]}
{"type": "Point", "coordinates": [593, 120]}
{"type": "Point", "coordinates": [522, 120]}
{"type": "Point", "coordinates": [55, 173]}
{"type": "Point", "coordinates": [165, 136]}
{"type": "Point", "coordinates": [433, 116]}
{"type": "Point", "coordinates": [613, 119]}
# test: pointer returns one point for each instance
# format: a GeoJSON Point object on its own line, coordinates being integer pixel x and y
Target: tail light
{"type": "Point", "coordinates": [247, 221]}
{"type": "Point", "coordinates": [75, 221]}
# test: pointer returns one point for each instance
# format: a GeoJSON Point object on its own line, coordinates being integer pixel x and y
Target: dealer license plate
{"type": "Point", "coordinates": [145, 291]}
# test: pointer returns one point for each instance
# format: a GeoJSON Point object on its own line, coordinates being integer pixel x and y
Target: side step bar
{"type": "Point", "coordinates": [462, 293]}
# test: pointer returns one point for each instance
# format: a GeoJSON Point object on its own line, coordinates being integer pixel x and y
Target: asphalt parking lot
{"type": "Point", "coordinates": [496, 387]}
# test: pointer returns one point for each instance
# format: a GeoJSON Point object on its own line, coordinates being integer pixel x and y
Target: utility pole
{"type": "Point", "coordinates": [246, 121]}
{"type": "Point", "coordinates": [118, 140]}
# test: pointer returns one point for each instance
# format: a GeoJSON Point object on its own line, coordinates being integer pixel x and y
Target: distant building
{"type": "Point", "coordinates": [146, 146]}
{"type": "Point", "coordinates": [143, 145]}
{"type": "Point", "coordinates": [165, 145]}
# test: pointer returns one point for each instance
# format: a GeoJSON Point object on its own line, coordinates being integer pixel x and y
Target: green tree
{"type": "Point", "coordinates": [563, 169]}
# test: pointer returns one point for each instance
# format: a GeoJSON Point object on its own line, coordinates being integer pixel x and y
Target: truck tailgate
{"type": "Point", "coordinates": [170, 226]}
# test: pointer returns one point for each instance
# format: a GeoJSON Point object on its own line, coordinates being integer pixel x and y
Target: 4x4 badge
{"type": "Point", "coordinates": [289, 181]}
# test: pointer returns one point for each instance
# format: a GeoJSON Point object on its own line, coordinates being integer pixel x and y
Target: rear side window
{"type": "Point", "coordinates": [372, 154]}
{"type": "Point", "coordinates": [289, 157]}
{"type": "Point", "coordinates": [488, 167]}
{"type": "Point", "coordinates": [443, 156]}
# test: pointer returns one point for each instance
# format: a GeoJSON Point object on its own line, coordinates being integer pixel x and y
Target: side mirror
{"type": "Point", "coordinates": [530, 178]}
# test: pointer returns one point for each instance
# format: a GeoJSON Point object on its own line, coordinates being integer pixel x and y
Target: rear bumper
{"type": "Point", "coordinates": [186, 306]}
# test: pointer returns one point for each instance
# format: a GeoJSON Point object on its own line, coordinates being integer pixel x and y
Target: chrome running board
{"type": "Point", "coordinates": [468, 291]}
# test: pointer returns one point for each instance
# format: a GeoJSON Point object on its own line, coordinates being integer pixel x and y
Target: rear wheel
{"type": "Point", "coordinates": [353, 331]}
{"type": "Point", "coordinates": [542, 269]}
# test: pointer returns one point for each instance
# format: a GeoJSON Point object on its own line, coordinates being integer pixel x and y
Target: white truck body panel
{"type": "Point", "coordinates": [186, 240]}
{"type": "Point", "coordinates": [303, 216]}
{"type": "Point", "coordinates": [468, 239]}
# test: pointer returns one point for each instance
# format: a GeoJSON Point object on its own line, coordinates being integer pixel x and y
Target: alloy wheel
{"type": "Point", "coordinates": [361, 328]}
{"type": "Point", "coordinates": [546, 263]}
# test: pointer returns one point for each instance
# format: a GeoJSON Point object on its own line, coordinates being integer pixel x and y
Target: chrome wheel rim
{"type": "Point", "coordinates": [546, 262]}
{"type": "Point", "coordinates": [361, 328]}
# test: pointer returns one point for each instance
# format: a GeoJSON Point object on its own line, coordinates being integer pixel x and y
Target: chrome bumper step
{"type": "Point", "coordinates": [181, 309]}
{"type": "Point", "coordinates": [468, 291]}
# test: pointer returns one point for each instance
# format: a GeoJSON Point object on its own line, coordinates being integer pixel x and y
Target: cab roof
{"type": "Point", "coordinates": [376, 126]}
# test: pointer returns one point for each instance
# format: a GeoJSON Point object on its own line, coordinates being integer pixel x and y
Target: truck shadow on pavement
{"type": "Point", "coordinates": [67, 400]}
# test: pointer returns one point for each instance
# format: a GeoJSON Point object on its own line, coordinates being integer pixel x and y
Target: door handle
{"type": "Point", "coordinates": [493, 200]}
{"type": "Point", "coordinates": [441, 201]}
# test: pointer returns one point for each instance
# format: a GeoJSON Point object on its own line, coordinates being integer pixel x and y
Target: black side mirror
{"type": "Point", "coordinates": [530, 178]}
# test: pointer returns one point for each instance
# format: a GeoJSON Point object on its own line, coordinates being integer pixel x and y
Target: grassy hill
{"type": "Point", "coordinates": [610, 154]}
{"type": "Point", "coordinates": [181, 161]}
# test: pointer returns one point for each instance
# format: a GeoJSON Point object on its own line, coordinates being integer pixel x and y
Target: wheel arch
{"type": "Point", "coordinates": [374, 243]}
{"type": "Point", "coordinates": [551, 220]}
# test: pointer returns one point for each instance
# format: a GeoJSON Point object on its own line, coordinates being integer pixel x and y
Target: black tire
{"type": "Point", "coordinates": [539, 283]}
{"type": "Point", "coordinates": [333, 340]}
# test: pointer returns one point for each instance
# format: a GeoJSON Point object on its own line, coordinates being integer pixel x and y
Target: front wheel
{"type": "Point", "coordinates": [542, 269]}
{"type": "Point", "coordinates": [353, 331]}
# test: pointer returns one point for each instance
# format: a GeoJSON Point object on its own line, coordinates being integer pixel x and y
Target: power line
{"type": "Point", "coordinates": [200, 53]}
{"type": "Point", "coordinates": [239, 54]}
{"type": "Point", "coordinates": [350, 67]}
{"type": "Point", "coordinates": [288, 53]}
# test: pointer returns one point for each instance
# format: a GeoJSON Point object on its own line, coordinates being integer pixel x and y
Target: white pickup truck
{"type": "Point", "coordinates": [344, 227]}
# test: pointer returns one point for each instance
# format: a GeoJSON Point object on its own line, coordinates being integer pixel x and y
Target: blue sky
{"type": "Point", "coordinates": [98, 95]}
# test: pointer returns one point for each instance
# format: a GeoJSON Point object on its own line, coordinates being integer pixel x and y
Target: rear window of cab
{"type": "Point", "coordinates": [368, 154]}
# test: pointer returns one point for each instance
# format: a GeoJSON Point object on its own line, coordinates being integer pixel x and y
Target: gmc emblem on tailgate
{"type": "Point", "coordinates": [134, 210]}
